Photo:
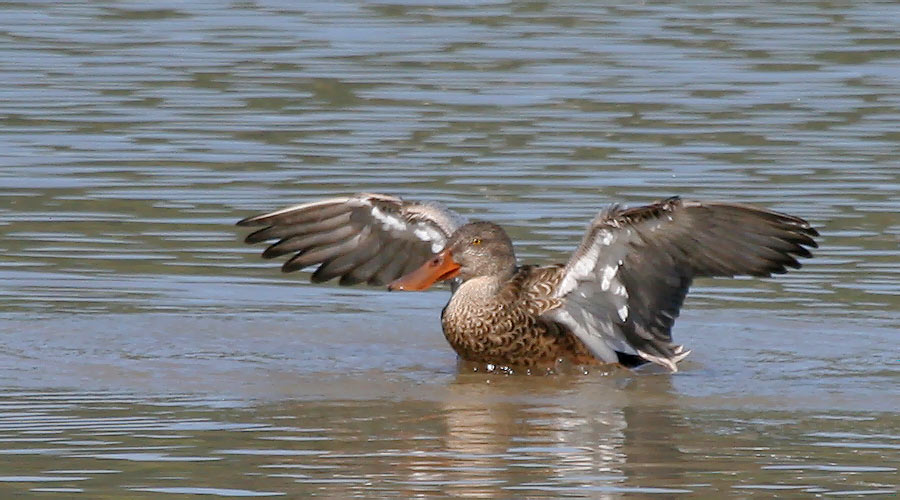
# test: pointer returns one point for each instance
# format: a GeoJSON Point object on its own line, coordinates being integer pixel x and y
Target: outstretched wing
{"type": "Point", "coordinates": [371, 238]}
{"type": "Point", "coordinates": [624, 286]}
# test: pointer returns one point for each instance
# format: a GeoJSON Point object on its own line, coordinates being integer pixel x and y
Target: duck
{"type": "Point", "coordinates": [613, 302]}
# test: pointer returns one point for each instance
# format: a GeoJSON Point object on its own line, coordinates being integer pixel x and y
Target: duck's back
{"type": "Point", "coordinates": [489, 320]}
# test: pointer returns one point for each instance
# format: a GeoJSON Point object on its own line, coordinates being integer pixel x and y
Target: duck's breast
{"type": "Point", "coordinates": [491, 321]}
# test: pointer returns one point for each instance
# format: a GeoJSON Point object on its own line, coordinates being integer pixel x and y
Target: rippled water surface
{"type": "Point", "coordinates": [147, 353]}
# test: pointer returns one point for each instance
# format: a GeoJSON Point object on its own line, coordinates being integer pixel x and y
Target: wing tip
{"type": "Point", "coordinates": [253, 220]}
{"type": "Point", "coordinates": [272, 251]}
{"type": "Point", "coordinates": [291, 265]}
{"type": "Point", "coordinates": [257, 236]}
{"type": "Point", "coordinates": [669, 363]}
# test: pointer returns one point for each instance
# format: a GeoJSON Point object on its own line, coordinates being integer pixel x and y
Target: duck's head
{"type": "Point", "coordinates": [474, 250]}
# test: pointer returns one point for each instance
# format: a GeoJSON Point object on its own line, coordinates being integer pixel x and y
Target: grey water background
{"type": "Point", "coordinates": [145, 352]}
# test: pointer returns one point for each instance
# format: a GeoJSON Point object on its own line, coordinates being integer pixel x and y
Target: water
{"type": "Point", "coordinates": [146, 352]}
{"type": "Point", "coordinates": [509, 439]}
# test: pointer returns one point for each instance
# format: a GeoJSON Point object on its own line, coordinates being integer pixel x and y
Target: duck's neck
{"type": "Point", "coordinates": [482, 287]}
{"type": "Point", "coordinates": [473, 294]}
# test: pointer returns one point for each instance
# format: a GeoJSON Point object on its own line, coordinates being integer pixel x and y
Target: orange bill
{"type": "Point", "coordinates": [441, 267]}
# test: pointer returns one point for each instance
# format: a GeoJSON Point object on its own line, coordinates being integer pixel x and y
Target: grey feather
{"type": "Point", "coordinates": [366, 237]}
{"type": "Point", "coordinates": [640, 263]}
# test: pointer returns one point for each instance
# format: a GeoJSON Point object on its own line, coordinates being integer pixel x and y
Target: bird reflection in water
{"type": "Point", "coordinates": [581, 434]}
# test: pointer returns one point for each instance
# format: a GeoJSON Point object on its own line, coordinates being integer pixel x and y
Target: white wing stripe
{"type": "Point", "coordinates": [609, 272]}
{"type": "Point", "coordinates": [623, 312]}
{"type": "Point", "coordinates": [584, 267]}
{"type": "Point", "coordinates": [606, 237]}
{"type": "Point", "coordinates": [427, 233]}
{"type": "Point", "coordinates": [388, 222]}
{"type": "Point", "coordinates": [424, 232]}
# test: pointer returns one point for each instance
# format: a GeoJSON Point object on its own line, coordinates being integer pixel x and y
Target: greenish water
{"type": "Point", "coordinates": [145, 352]}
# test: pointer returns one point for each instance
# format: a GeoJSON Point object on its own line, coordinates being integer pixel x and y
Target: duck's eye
{"type": "Point", "coordinates": [476, 241]}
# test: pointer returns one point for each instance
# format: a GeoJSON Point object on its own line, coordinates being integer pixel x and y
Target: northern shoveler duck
{"type": "Point", "coordinates": [614, 301]}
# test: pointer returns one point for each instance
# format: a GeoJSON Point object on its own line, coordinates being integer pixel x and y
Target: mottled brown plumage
{"type": "Point", "coordinates": [500, 321]}
{"type": "Point", "coordinates": [615, 301]}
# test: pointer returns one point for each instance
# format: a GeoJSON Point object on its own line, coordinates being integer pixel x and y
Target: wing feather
{"type": "Point", "coordinates": [320, 254]}
{"type": "Point", "coordinates": [306, 241]}
{"type": "Point", "coordinates": [394, 267]}
{"type": "Point", "coordinates": [624, 286]}
{"type": "Point", "coordinates": [341, 266]}
{"type": "Point", "coordinates": [366, 237]}
{"type": "Point", "coordinates": [364, 272]}
{"type": "Point", "coordinates": [385, 267]}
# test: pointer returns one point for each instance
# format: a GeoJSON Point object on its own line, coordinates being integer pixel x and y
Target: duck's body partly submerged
{"type": "Point", "coordinates": [614, 302]}
{"type": "Point", "coordinates": [500, 321]}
